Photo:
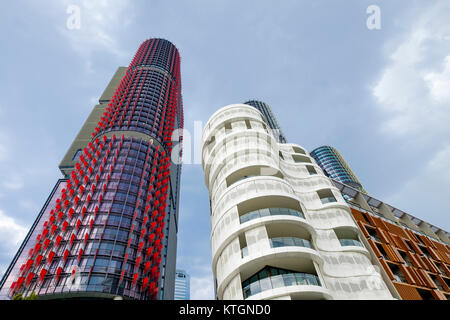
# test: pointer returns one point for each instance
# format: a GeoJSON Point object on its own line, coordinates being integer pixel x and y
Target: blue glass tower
{"type": "Point", "coordinates": [335, 167]}
{"type": "Point", "coordinates": [270, 118]}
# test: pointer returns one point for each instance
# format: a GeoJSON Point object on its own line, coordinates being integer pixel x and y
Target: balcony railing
{"type": "Point", "coordinates": [242, 178]}
{"type": "Point", "coordinates": [278, 281]}
{"type": "Point", "coordinates": [289, 242]}
{"type": "Point", "coordinates": [282, 242]}
{"type": "Point", "coordinates": [244, 252]}
{"type": "Point", "coordinates": [328, 200]}
{"type": "Point", "coordinates": [270, 212]}
{"type": "Point", "coordinates": [350, 242]}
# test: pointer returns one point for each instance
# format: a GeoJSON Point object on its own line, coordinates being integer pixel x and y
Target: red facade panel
{"type": "Point", "coordinates": [407, 292]}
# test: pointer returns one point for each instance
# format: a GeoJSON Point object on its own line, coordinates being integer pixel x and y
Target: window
{"type": "Point", "coordinates": [270, 277]}
{"type": "Point", "coordinates": [265, 127]}
{"type": "Point", "coordinates": [425, 294]}
{"type": "Point", "coordinates": [425, 251]}
{"type": "Point", "coordinates": [247, 123]}
{"type": "Point", "coordinates": [101, 262]}
{"type": "Point", "coordinates": [228, 127]}
{"type": "Point", "coordinates": [298, 150]}
{"type": "Point", "coordinates": [381, 249]}
{"type": "Point", "coordinates": [373, 234]}
{"type": "Point", "coordinates": [311, 170]}
{"type": "Point", "coordinates": [326, 196]}
{"type": "Point", "coordinates": [119, 250]}
{"type": "Point", "coordinates": [96, 280]}
{"type": "Point", "coordinates": [405, 257]}
{"type": "Point", "coordinates": [348, 237]}
{"type": "Point", "coordinates": [398, 274]}
{"type": "Point", "coordinates": [115, 265]}
{"type": "Point", "coordinates": [300, 158]}
{"type": "Point", "coordinates": [86, 262]}
{"type": "Point", "coordinates": [210, 143]}
{"type": "Point", "coordinates": [109, 234]}
{"type": "Point", "coordinates": [408, 245]}
{"type": "Point", "coordinates": [447, 281]}
{"type": "Point", "coordinates": [439, 266]}
{"type": "Point", "coordinates": [437, 282]}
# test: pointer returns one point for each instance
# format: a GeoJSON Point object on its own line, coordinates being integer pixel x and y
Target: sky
{"type": "Point", "coordinates": [380, 96]}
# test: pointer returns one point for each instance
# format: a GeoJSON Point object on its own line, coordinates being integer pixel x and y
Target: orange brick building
{"type": "Point", "coordinates": [414, 255]}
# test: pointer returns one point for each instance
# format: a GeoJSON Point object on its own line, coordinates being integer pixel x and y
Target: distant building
{"type": "Point", "coordinates": [269, 117]}
{"type": "Point", "coordinates": [335, 167]}
{"type": "Point", "coordinates": [182, 285]}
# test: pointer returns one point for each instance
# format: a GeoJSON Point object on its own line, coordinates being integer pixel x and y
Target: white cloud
{"type": "Point", "coordinates": [413, 90]}
{"type": "Point", "coordinates": [428, 186]}
{"type": "Point", "coordinates": [439, 83]}
{"type": "Point", "coordinates": [13, 182]}
{"type": "Point", "coordinates": [202, 288]}
{"type": "Point", "coordinates": [11, 233]}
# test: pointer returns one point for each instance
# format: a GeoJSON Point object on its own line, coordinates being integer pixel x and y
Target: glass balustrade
{"type": "Point", "coordinates": [270, 212]}
{"type": "Point", "coordinates": [244, 252]}
{"type": "Point", "coordinates": [328, 200]}
{"type": "Point", "coordinates": [282, 242]}
{"type": "Point", "coordinates": [350, 242]}
{"type": "Point", "coordinates": [288, 242]}
{"type": "Point", "coordinates": [278, 281]}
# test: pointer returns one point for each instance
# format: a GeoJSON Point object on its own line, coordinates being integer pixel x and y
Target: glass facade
{"type": "Point", "coordinates": [335, 167]}
{"type": "Point", "coordinates": [105, 231]}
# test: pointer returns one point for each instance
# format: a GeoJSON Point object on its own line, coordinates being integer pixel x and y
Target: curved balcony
{"type": "Point", "coordinates": [298, 258]}
{"type": "Point", "coordinates": [253, 188]}
{"type": "Point", "coordinates": [270, 212]}
{"type": "Point", "coordinates": [226, 151]}
{"type": "Point", "coordinates": [236, 164]}
{"type": "Point", "coordinates": [256, 286]}
{"type": "Point", "coordinates": [227, 113]}
{"type": "Point", "coordinates": [282, 221]}
{"type": "Point", "coordinates": [283, 242]}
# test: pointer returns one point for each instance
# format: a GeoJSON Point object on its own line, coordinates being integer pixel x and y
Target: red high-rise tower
{"type": "Point", "coordinates": [109, 227]}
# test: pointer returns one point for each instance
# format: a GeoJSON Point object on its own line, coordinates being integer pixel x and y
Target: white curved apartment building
{"type": "Point", "coordinates": [279, 227]}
